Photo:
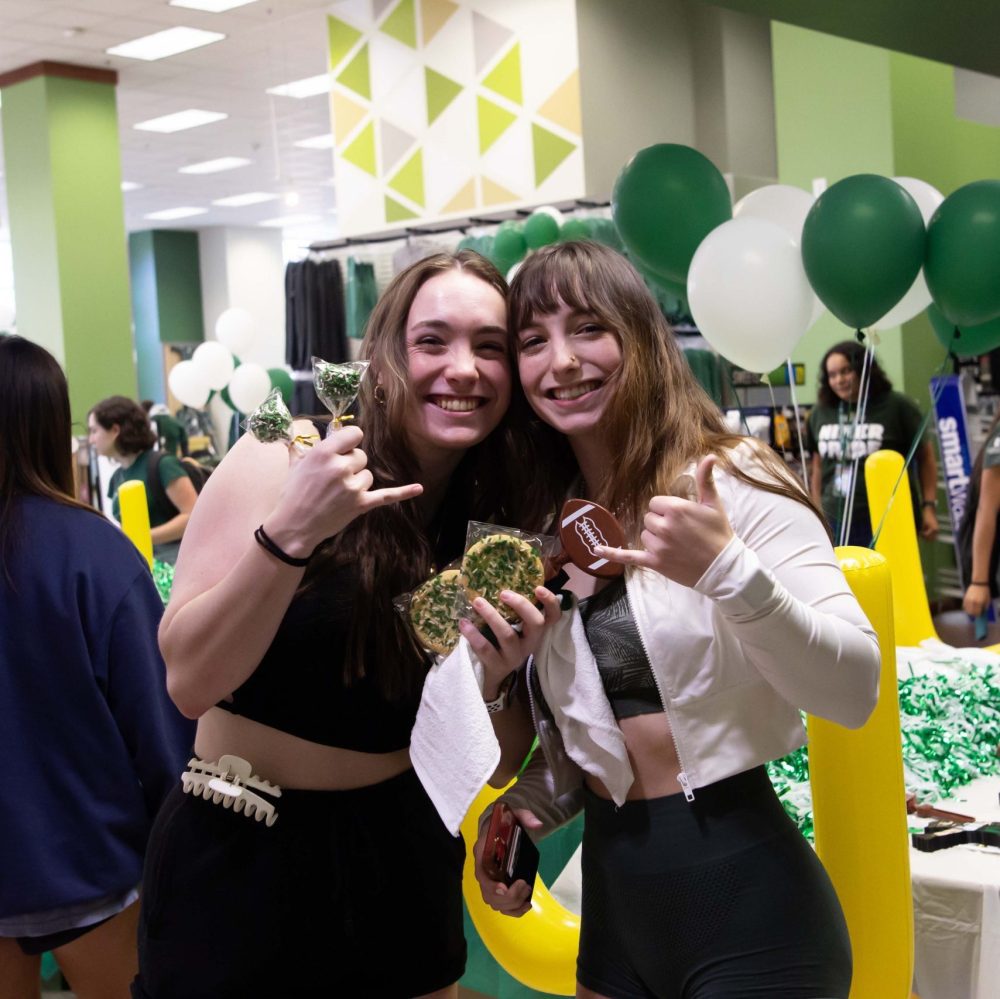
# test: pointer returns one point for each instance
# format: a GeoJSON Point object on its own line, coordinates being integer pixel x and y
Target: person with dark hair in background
{"type": "Point", "coordinates": [119, 428]}
{"type": "Point", "coordinates": [891, 422]}
{"type": "Point", "coordinates": [980, 528]}
{"type": "Point", "coordinates": [90, 741]}
{"type": "Point", "coordinates": [171, 433]}
{"type": "Point", "coordinates": [282, 640]}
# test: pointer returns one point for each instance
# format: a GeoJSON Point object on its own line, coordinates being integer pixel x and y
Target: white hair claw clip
{"type": "Point", "coordinates": [228, 783]}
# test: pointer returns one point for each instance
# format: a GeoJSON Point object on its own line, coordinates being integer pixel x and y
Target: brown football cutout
{"type": "Point", "coordinates": [582, 525]}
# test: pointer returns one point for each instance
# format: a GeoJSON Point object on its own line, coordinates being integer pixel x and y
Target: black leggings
{"type": "Point", "coordinates": [720, 897]}
{"type": "Point", "coordinates": [349, 893]}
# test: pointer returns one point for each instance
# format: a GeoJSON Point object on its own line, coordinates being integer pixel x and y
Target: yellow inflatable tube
{"type": "Point", "coordinates": [135, 517]}
{"type": "Point", "coordinates": [859, 807]}
{"type": "Point", "coordinates": [539, 949]}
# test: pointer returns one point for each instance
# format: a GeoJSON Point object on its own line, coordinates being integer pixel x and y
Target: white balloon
{"type": "Point", "coordinates": [918, 297]}
{"type": "Point", "coordinates": [215, 362]}
{"type": "Point", "coordinates": [189, 384]}
{"type": "Point", "coordinates": [249, 386]}
{"type": "Point", "coordinates": [235, 329]}
{"type": "Point", "coordinates": [7, 313]}
{"type": "Point", "coordinates": [788, 207]}
{"type": "Point", "coordinates": [748, 292]}
{"type": "Point", "coordinates": [550, 210]}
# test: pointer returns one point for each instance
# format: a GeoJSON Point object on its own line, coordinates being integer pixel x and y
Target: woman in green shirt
{"type": "Point", "coordinates": [118, 428]}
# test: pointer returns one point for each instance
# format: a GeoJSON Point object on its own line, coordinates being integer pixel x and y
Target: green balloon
{"type": "Point", "coordinates": [666, 200]}
{"type": "Point", "coordinates": [963, 254]}
{"type": "Point", "coordinates": [282, 380]}
{"type": "Point", "coordinates": [605, 231]}
{"type": "Point", "coordinates": [540, 229]}
{"type": "Point", "coordinates": [971, 341]}
{"type": "Point", "coordinates": [862, 246]}
{"type": "Point", "coordinates": [573, 230]}
{"type": "Point", "coordinates": [509, 246]}
{"type": "Point", "coordinates": [224, 396]}
{"type": "Point", "coordinates": [466, 243]}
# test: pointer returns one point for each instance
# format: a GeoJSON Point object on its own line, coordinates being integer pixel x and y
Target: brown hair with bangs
{"type": "Point", "coordinates": [392, 549]}
{"type": "Point", "coordinates": [659, 419]}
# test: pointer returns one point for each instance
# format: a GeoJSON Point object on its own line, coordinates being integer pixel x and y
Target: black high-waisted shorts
{"type": "Point", "coordinates": [349, 893]}
{"type": "Point", "coordinates": [721, 897]}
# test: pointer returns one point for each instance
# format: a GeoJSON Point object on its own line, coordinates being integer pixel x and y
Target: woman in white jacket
{"type": "Point", "coordinates": [666, 691]}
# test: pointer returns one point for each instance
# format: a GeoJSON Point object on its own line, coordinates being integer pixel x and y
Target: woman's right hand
{"type": "Point", "coordinates": [327, 487]}
{"type": "Point", "coordinates": [976, 599]}
{"type": "Point", "coordinates": [516, 899]}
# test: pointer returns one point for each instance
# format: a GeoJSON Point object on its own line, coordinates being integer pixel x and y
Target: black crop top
{"type": "Point", "coordinates": [299, 688]}
{"type": "Point", "coordinates": [617, 646]}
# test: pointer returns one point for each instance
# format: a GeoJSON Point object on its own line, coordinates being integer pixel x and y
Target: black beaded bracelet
{"type": "Point", "coordinates": [974, 583]}
{"type": "Point", "coordinates": [260, 536]}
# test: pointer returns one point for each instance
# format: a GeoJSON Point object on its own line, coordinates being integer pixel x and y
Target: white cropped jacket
{"type": "Point", "coordinates": [771, 627]}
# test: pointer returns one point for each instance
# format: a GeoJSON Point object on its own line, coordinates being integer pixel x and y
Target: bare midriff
{"type": "Point", "coordinates": [291, 762]}
{"type": "Point", "coordinates": [653, 756]}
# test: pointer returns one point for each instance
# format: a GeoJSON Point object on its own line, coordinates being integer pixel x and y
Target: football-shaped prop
{"type": "Point", "coordinates": [582, 525]}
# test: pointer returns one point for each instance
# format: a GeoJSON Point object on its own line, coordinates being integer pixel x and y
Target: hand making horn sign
{"type": "Point", "coordinates": [680, 537]}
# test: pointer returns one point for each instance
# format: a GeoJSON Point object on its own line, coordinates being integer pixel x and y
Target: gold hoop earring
{"type": "Point", "coordinates": [379, 395]}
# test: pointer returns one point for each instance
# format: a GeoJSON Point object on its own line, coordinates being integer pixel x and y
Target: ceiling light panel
{"type": "Point", "coordinates": [179, 120]}
{"type": "Point", "coordinates": [130, 185]}
{"type": "Point", "coordinates": [169, 214]}
{"type": "Point", "coordinates": [309, 87]}
{"type": "Point", "coordinates": [162, 44]}
{"type": "Point", "coordinates": [215, 166]}
{"type": "Point", "coordinates": [241, 200]}
{"type": "Point", "coordinates": [317, 142]}
{"type": "Point", "coordinates": [284, 221]}
{"type": "Point", "coordinates": [212, 6]}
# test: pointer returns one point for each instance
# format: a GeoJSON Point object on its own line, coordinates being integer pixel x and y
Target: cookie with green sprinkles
{"type": "Point", "coordinates": [432, 612]}
{"type": "Point", "coordinates": [502, 562]}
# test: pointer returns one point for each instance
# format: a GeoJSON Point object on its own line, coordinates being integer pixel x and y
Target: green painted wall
{"type": "Point", "coordinates": [68, 231]}
{"type": "Point", "coordinates": [178, 286]}
{"type": "Point", "coordinates": [833, 118]}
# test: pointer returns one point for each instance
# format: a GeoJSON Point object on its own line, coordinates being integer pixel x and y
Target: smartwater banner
{"type": "Point", "coordinates": [956, 459]}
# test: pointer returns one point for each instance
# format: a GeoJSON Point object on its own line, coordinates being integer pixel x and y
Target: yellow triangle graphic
{"type": "Point", "coordinates": [433, 16]}
{"type": "Point", "coordinates": [345, 115]}
{"type": "Point", "coordinates": [361, 152]}
{"type": "Point", "coordinates": [463, 201]}
{"type": "Point", "coordinates": [563, 104]}
{"type": "Point", "coordinates": [494, 194]}
{"type": "Point", "coordinates": [505, 78]}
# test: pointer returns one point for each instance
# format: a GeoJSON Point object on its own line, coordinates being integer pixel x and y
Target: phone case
{"type": "Point", "coordinates": [509, 854]}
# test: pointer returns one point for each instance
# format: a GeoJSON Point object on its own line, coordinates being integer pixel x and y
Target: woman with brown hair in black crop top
{"type": "Point", "coordinates": [282, 641]}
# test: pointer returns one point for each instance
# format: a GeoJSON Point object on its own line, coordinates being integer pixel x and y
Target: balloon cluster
{"type": "Point", "coordinates": [214, 367]}
{"type": "Point", "coordinates": [513, 241]}
{"type": "Point", "coordinates": [874, 251]}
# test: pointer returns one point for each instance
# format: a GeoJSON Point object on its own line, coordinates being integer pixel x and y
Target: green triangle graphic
{"type": "Point", "coordinates": [493, 122]}
{"type": "Point", "coordinates": [505, 77]}
{"type": "Point", "coordinates": [409, 180]}
{"type": "Point", "coordinates": [401, 24]}
{"type": "Point", "coordinates": [550, 151]}
{"type": "Point", "coordinates": [355, 75]}
{"type": "Point", "coordinates": [395, 212]}
{"type": "Point", "coordinates": [341, 38]}
{"type": "Point", "coordinates": [361, 152]}
{"type": "Point", "coordinates": [441, 91]}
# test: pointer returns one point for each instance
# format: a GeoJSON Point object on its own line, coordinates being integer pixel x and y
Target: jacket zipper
{"type": "Point", "coordinates": [682, 777]}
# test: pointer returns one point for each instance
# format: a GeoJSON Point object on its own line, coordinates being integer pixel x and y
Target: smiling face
{"type": "Point", "coordinates": [842, 378]}
{"type": "Point", "coordinates": [569, 363]}
{"type": "Point", "coordinates": [458, 363]}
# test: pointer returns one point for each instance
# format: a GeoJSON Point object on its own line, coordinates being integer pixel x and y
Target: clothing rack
{"type": "Point", "coordinates": [454, 225]}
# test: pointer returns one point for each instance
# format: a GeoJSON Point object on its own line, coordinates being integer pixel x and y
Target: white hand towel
{"type": "Point", "coordinates": [453, 747]}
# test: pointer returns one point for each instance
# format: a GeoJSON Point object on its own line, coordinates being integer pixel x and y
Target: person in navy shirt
{"type": "Point", "coordinates": [90, 741]}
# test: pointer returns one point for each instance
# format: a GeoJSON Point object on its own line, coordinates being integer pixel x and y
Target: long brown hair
{"type": "Point", "coordinates": [659, 419]}
{"type": "Point", "coordinates": [36, 457]}
{"type": "Point", "coordinates": [391, 548]}
{"type": "Point", "coordinates": [878, 380]}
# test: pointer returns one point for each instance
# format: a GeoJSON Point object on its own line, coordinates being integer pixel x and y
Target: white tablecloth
{"type": "Point", "coordinates": [956, 909]}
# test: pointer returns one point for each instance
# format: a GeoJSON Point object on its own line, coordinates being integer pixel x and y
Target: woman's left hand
{"type": "Point", "coordinates": [929, 526]}
{"type": "Point", "coordinates": [513, 647]}
{"type": "Point", "coordinates": [681, 538]}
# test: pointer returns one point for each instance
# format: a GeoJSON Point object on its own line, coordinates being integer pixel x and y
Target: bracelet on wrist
{"type": "Point", "coordinates": [930, 503]}
{"type": "Point", "coordinates": [980, 583]}
{"type": "Point", "coordinates": [260, 536]}
{"type": "Point", "coordinates": [502, 701]}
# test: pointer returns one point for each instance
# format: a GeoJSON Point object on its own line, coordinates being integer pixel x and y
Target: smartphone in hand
{"type": "Point", "coordinates": [509, 855]}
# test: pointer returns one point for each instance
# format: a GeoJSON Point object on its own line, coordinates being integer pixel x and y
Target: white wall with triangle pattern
{"type": "Point", "coordinates": [444, 108]}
